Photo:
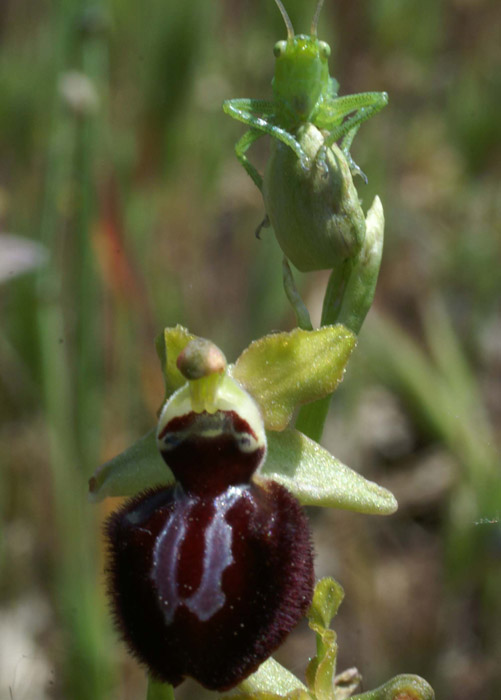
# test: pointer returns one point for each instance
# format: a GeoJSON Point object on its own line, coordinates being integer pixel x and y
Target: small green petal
{"type": "Point", "coordinates": [169, 344]}
{"type": "Point", "coordinates": [139, 467]}
{"type": "Point", "coordinates": [283, 370]}
{"type": "Point", "coordinates": [317, 478]}
{"type": "Point", "coordinates": [404, 686]}
{"type": "Point", "coordinates": [270, 680]}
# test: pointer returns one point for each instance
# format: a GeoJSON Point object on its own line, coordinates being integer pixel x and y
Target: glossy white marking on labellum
{"type": "Point", "coordinates": [209, 597]}
{"type": "Point", "coordinates": [166, 550]}
{"type": "Point", "coordinates": [167, 556]}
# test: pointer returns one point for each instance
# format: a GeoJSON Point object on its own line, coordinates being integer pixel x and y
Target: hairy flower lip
{"type": "Point", "coordinates": [228, 608]}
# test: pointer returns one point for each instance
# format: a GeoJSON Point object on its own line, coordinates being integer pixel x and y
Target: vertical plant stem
{"type": "Point", "coordinates": [86, 664]}
{"type": "Point", "coordinates": [311, 418]}
{"type": "Point", "coordinates": [159, 691]}
{"type": "Point", "coordinates": [302, 314]}
{"type": "Point", "coordinates": [88, 321]}
{"type": "Point", "coordinates": [348, 298]}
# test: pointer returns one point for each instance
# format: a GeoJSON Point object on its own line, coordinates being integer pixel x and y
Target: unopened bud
{"type": "Point", "coordinates": [314, 209]}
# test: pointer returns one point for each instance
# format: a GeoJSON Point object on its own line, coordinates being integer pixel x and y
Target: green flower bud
{"type": "Point", "coordinates": [315, 211]}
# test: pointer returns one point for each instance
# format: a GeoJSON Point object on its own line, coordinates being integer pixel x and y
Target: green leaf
{"type": "Point", "coordinates": [271, 680]}
{"type": "Point", "coordinates": [406, 687]}
{"type": "Point", "coordinates": [317, 478]}
{"type": "Point", "coordinates": [283, 370]}
{"type": "Point", "coordinates": [139, 467]}
{"type": "Point", "coordinates": [169, 344]}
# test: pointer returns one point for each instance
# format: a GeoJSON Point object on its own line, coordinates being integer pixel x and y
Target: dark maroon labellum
{"type": "Point", "coordinates": [207, 582]}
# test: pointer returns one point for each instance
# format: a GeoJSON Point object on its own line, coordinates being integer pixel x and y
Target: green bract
{"type": "Point", "coordinates": [315, 211]}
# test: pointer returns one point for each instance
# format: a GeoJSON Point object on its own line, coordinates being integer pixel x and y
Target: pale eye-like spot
{"type": "Point", "coordinates": [171, 440]}
{"type": "Point", "coordinates": [246, 442]}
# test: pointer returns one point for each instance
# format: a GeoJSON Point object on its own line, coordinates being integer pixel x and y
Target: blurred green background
{"type": "Point", "coordinates": [116, 161]}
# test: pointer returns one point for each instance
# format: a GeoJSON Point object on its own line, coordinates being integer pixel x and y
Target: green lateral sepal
{"type": "Point", "coordinates": [311, 473]}
{"type": "Point", "coordinates": [135, 469]}
{"type": "Point", "coordinates": [316, 478]}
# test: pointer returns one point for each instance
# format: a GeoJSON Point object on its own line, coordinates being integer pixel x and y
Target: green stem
{"type": "Point", "coordinates": [302, 315]}
{"type": "Point", "coordinates": [87, 670]}
{"type": "Point", "coordinates": [311, 418]}
{"type": "Point", "coordinates": [335, 292]}
{"type": "Point", "coordinates": [88, 370]}
{"type": "Point", "coordinates": [159, 691]}
{"type": "Point", "coordinates": [348, 298]}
